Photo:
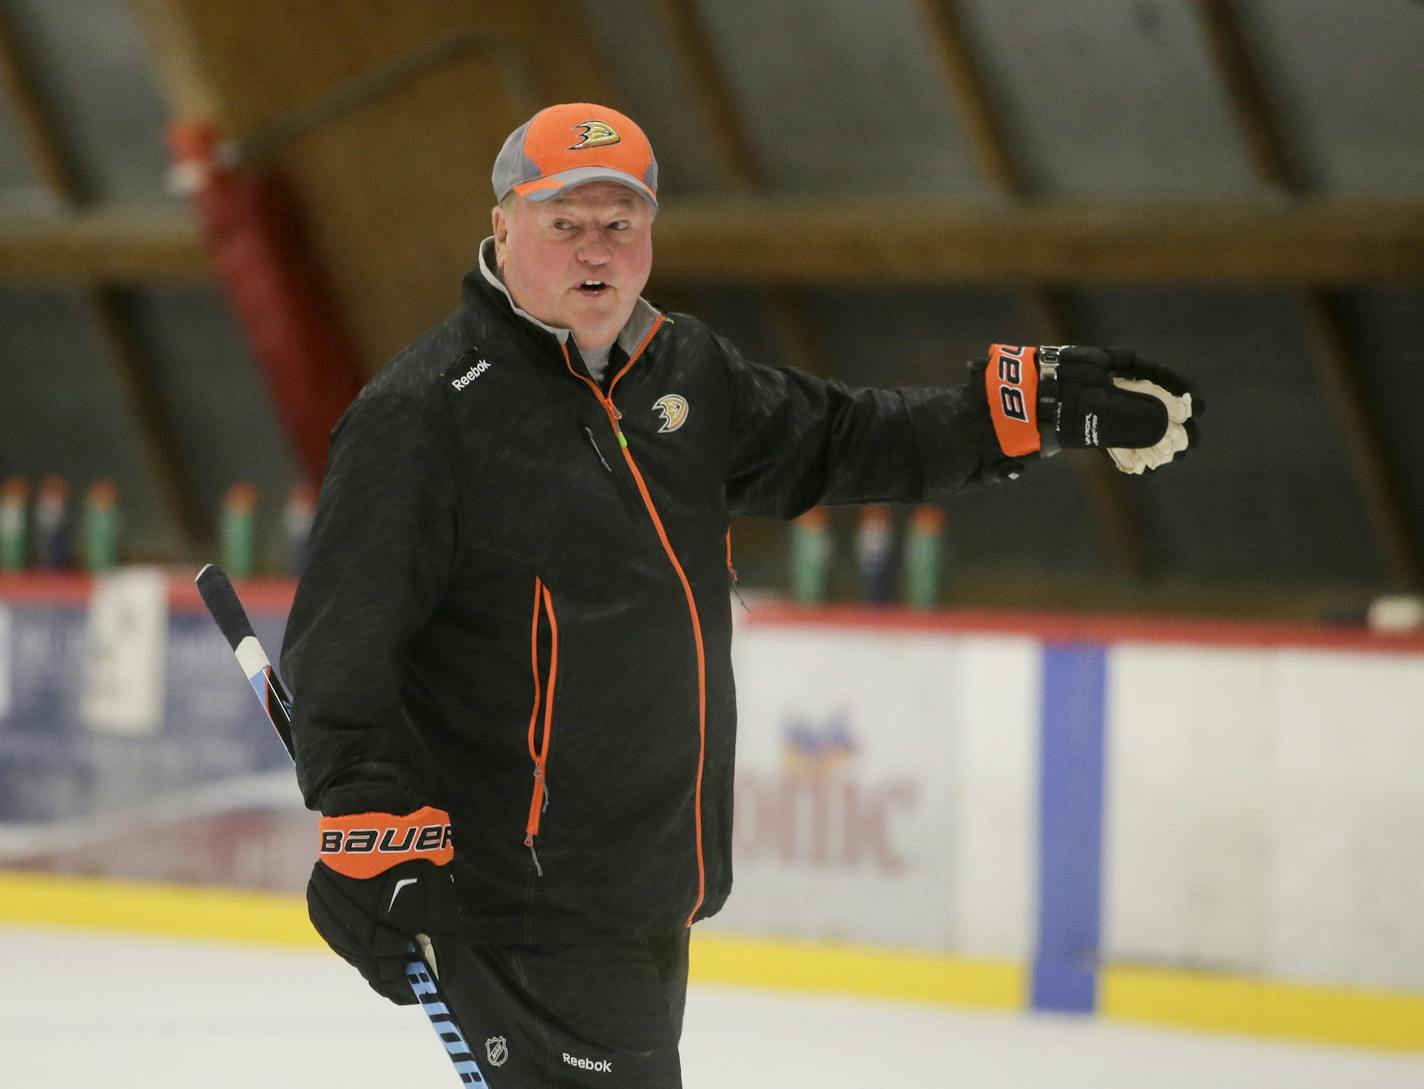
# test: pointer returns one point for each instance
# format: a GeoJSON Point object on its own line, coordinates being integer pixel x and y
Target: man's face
{"type": "Point", "coordinates": [578, 261]}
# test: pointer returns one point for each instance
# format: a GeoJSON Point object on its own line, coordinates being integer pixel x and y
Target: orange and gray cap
{"type": "Point", "coordinates": [572, 144]}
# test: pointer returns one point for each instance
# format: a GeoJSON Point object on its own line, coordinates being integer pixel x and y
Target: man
{"type": "Point", "coordinates": [515, 609]}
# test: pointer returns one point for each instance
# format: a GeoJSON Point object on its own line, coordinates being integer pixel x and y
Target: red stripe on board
{"type": "Point", "coordinates": [266, 595]}
{"type": "Point", "coordinates": [274, 595]}
{"type": "Point", "coordinates": [1066, 627]}
{"type": "Point", "coordinates": [42, 588]}
{"type": "Point", "coordinates": [71, 589]}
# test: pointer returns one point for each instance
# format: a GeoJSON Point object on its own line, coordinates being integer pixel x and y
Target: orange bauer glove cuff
{"type": "Point", "coordinates": [368, 844]}
{"type": "Point", "coordinates": [1011, 383]}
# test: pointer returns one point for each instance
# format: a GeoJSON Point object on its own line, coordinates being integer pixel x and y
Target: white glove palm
{"type": "Point", "coordinates": [1179, 411]}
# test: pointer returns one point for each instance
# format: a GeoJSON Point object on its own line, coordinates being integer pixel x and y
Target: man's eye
{"type": "Point", "coordinates": [619, 225]}
{"type": "Point", "coordinates": [562, 225]}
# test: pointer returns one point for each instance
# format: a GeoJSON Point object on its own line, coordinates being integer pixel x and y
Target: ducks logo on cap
{"type": "Point", "coordinates": [595, 134]}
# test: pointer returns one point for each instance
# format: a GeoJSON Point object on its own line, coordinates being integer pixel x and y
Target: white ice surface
{"type": "Point", "coordinates": [83, 1010]}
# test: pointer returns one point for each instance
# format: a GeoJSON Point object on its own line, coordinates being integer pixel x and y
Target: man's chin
{"type": "Point", "coordinates": [598, 325]}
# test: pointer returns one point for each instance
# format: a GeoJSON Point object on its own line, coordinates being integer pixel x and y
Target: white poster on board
{"type": "Point", "coordinates": [125, 647]}
{"type": "Point", "coordinates": [844, 793]}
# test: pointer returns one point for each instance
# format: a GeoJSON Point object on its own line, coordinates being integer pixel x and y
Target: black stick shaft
{"type": "Point", "coordinates": [222, 601]}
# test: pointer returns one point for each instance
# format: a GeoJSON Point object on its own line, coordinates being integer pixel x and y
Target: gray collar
{"type": "Point", "coordinates": [629, 337]}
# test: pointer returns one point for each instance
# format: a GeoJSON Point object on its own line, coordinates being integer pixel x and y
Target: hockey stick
{"type": "Point", "coordinates": [231, 618]}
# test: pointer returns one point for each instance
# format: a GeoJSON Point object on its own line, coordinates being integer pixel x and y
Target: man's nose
{"type": "Point", "coordinates": [594, 250]}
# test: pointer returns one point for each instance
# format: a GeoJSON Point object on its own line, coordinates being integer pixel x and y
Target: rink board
{"type": "Point", "coordinates": [1199, 825]}
{"type": "Point", "coordinates": [1201, 1001]}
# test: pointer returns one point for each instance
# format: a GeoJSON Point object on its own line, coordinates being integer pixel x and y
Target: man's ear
{"type": "Point", "coordinates": [500, 222]}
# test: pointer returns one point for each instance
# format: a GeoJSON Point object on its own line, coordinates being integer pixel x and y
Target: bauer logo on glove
{"type": "Point", "coordinates": [1141, 413]}
{"type": "Point", "coordinates": [367, 844]}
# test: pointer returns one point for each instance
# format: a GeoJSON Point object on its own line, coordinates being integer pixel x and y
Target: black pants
{"type": "Point", "coordinates": [549, 1016]}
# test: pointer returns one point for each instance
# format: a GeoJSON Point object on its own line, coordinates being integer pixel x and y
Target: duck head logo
{"type": "Point", "coordinates": [674, 410]}
{"type": "Point", "coordinates": [595, 134]}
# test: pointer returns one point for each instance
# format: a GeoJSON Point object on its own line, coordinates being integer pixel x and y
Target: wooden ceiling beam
{"type": "Point", "coordinates": [824, 242]}
{"type": "Point", "coordinates": [917, 241]}
{"type": "Point", "coordinates": [110, 244]}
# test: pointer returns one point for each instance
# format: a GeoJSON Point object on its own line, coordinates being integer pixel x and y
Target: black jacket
{"type": "Point", "coordinates": [519, 618]}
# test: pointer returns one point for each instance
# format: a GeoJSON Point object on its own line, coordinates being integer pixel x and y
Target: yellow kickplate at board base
{"type": "Point", "coordinates": [161, 910]}
{"type": "Point", "coordinates": [909, 975]}
{"type": "Point", "coordinates": [1257, 1007]}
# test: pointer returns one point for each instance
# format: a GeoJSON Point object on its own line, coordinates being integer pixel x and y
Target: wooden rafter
{"type": "Point", "coordinates": [713, 95]}
{"type": "Point", "coordinates": [969, 95]}
{"type": "Point", "coordinates": [1246, 92]}
{"type": "Point", "coordinates": [1380, 487]}
{"type": "Point", "coordinates": [1264, 138]}
{"type": "Point", "coordinates": [1110, 508]}
{"type": "Point", "coordinates": [132, 372]}
{"type": "Point", "coordinates": [46, 154]}
{"type": "Point", "coordinates": [121, 348]}
{"type": "Point", "coordinates": [795, 329]}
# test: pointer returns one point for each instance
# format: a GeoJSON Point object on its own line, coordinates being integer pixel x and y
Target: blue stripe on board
{"type": "Point", "coordinates": [1070, 828]}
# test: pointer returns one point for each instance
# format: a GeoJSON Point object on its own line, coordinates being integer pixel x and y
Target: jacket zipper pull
{"type": "Point", "coordinates": [594, 443]}
{"type": "Point", "coordinates": [529, 842]}
{"type": "Point", "coordinates": [541, 792]}
{"type": "Point", "coordinates": [736, 591]}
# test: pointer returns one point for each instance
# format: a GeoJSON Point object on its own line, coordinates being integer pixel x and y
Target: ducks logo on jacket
{"type": "Point", "coordinates": [674, 410]}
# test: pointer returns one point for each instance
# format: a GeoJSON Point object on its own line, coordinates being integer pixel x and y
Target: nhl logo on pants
{"type": "Point", "coordinates": [496, 1050]}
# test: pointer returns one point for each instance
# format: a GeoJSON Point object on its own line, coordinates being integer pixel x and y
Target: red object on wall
{"type": "Point", "coordinates": [276, 286]}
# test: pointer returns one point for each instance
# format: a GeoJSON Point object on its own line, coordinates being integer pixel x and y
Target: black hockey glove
{"type": "Point", "coordinates": [1041, 398]}
{"type": "Point", "coordinates": [380, 882]}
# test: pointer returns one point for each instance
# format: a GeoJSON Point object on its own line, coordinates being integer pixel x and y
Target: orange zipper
{"type": "Point", "coordinates": [613, 417]}
{"type": "Point", "coordinates": [539, 798]}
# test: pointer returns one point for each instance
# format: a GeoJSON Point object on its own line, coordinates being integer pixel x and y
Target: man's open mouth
{"type": "Point", "coordinates": [592, 287]}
